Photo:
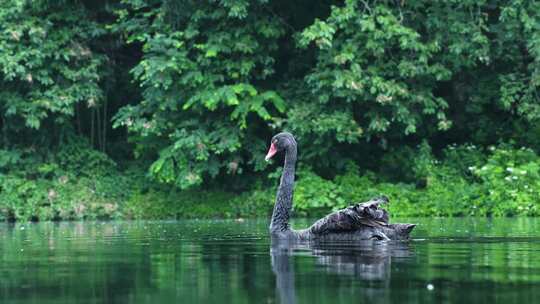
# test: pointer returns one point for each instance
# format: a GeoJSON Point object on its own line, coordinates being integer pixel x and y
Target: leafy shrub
{"type": "Point", "coordinates": [510, 182]}
{"type": "Point", "coordinates": [313, 192]}
{"type": "Point", "coordinates": [21, 198]}
{"type": "Point", "coordinates": [257, 203]}
{"type": "Point", "coordinates": [75, 182]}
{"type": "Point", "coordinates": [505, 182]}
{"type": "Point", "coordinates": [463, 157]}
{"type": "Point", "coordinates": [162, 204]}
{"type": "Point", "coordinates": [77, 157]}
{"type": "Point", "coordinates": [396, 164]}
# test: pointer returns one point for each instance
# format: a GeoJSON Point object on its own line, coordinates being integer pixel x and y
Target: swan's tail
{"type": "Point", "coordinates": [368, 213]}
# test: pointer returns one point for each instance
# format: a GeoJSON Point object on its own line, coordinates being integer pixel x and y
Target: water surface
{"type": "Point", "coordinates": [447, 260]}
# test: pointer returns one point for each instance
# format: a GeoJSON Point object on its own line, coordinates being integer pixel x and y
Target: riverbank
{"type": "Point", "coordinates": [503, 181]}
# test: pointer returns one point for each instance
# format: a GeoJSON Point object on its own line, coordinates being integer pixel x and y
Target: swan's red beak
{"type": "Point", "coordinates": [271, 152]}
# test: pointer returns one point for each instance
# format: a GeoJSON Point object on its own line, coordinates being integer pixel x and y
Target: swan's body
{"type": "Point", "coordinates": [362, 221]}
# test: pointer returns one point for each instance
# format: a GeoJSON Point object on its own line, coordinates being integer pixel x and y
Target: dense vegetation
{"type": "Point", "coordinates": [162, 108]}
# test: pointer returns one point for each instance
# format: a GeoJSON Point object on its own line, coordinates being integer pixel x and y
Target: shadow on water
{"type": "Point", "coordinates": [365, 260]}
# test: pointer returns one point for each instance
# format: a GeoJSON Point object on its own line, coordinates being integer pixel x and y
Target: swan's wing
{"type": "Point", "coordinates": [352, 217]}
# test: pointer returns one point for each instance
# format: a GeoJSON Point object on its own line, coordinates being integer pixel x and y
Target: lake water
{"type": "Point", "coordinates": [447, 260]}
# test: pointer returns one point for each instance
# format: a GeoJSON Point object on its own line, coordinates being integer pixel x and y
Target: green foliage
{"type": "Point", "coordinates": [513, 177]}
{"type": "Point", "coordinates": [373, 90]}
{"type": "Point", "coordinates": [371, 63]}
{"type": "Point", "coordinates": [503, 184]}
{"type": "Point", "coordinates": [74, 182]}
{"type": "Point", "coordinates": [462, 158]}
{"type": "Point", "coordinates": [200, 77]}
{"type": "Point", "coordinates": [391, 71]}
{"type": "Point", "coordinates": [77, 157]}
{"type": "Point", "coordinates": [314, 193]}
{"type": "Point", "coordinates": [46, 64]}
{"type": "Point", "coordinates": [163, 204]}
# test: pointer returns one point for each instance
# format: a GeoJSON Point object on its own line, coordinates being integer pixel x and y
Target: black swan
{"type": "Point", "coordinates": [363, 221]}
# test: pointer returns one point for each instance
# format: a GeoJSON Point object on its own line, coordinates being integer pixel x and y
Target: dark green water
{"type": "Point", "coordinates": [448, 260]}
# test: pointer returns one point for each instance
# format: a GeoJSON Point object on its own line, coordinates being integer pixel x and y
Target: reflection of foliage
{"type": "Point", "coordinates": [225, 261]}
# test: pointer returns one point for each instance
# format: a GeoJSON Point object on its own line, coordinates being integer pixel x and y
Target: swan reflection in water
{"type": "Point", "coordinates": [367, 261]}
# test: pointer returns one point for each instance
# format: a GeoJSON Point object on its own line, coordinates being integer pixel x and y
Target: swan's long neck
{"type": "Point", "coordinates": [284, 198]}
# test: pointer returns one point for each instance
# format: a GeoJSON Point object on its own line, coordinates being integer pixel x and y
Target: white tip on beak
{"type": "Point", "coordinates": [271, 152]}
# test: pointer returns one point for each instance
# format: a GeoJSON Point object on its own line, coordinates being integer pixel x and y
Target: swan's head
{"type": "Point", "coordinates": [280, 142]}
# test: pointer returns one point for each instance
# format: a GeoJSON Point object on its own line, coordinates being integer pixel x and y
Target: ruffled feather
{"type": "Point", "coordinates": [353, 217]}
